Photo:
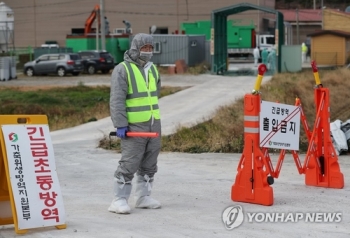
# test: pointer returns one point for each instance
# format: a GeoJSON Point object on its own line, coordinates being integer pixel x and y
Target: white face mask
{"type": "Point", "coordinates": [146, 56]}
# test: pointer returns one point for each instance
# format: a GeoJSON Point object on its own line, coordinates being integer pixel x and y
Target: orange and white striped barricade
{"type": "Point", "coordinates": [252, 183]}
{"type": "Point", "coordinates": [321, 162]}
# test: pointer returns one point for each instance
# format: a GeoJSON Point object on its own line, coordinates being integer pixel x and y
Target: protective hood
{"type": "Point", "coordinates": [133, 54]}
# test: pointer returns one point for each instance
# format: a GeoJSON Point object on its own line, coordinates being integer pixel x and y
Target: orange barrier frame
{"type": "Point", "coordinates": [321, 162]}
{"type": "Point", "coordinates": [255, 172]}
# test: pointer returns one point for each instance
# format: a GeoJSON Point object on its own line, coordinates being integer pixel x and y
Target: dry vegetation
{"type": "Point", "coordinates": [64, 106]}
{"type": "Point", "coordinates": [224, 132]}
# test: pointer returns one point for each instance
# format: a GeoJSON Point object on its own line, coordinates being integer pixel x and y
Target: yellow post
{"type": "Point", "coordinates": [316, 75]}
{"type": "Point", "coordinates": [261, 71]}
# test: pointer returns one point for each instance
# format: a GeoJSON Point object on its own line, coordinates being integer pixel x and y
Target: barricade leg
{"type": "Point", "coordinates": [251, 184]}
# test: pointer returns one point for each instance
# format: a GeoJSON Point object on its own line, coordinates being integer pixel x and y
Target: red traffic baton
{"type": "Point", "coordinates": [137, 134]}
{"type": "Point", "coordinates": [142, 134]}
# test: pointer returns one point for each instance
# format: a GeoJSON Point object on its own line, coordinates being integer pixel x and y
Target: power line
{"type": "Point", "coordinates": [168, 13]}
{"type": "Point", "coordinates": [46, 4]}
{"type": "Point", "coordinates": [50, 17]}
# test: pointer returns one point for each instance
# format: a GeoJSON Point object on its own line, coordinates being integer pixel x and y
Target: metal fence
{"type": "Point", "coordinates": [25, 54]}
{"type": "Point", "coordinates": [7, 68]}
{"type": "Point", "coordinates": [41, 51]}
{"type": "Point", "coordinates": [21, 50]}
{"type": "Point", "coordinates": [21, 55]}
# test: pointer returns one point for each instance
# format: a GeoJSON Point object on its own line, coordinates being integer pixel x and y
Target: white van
{"type": "Point", "coordinates": [50, 46]}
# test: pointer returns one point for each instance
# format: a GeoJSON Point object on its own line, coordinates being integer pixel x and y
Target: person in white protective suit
{"type": "Point", "coordinates": [135, 88]}
{"type": "Point", "coordinates": [271, 59]}
{"type": "Point", "coordinates": [256, 53]}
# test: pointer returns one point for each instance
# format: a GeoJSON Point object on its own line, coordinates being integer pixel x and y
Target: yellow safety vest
{"type": "Point", "coordinates": [304, 48]}
{"type": "Point", "coordinates": [141, 101]}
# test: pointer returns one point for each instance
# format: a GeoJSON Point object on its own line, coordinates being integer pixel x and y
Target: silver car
{"type": "Point", "coordinates": [60, 64]}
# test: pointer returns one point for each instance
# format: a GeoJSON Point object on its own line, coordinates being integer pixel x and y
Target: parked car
{"type": "Point", "coordinates": [97, 60]}
{"type": "Point", "coordinates": [60, 64]}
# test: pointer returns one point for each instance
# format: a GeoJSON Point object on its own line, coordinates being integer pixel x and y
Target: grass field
{"type": "Point", "coordinates": [64, 106]}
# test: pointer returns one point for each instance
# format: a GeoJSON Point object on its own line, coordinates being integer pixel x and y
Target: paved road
{"type": "Point", "coordinates": [194, 188]}
{"type": "Point", "coordinates": [188, 107]}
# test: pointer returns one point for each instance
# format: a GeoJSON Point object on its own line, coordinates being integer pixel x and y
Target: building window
{"type": "Point", "coordinates": [157, 48]}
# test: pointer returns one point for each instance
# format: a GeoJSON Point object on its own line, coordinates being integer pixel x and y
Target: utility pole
{"type": "Point", "coordinates": [103, 28]}
{"type": "Point", "coordinates": [258, 17]}
{"type": "Point", "coordinates": [322, 14]}
{"type": "Point", "coordinates": [97, 31]}
{"type": "Point", "coordinates": [177, 16]}
{"type": "Point", "coordinates": [297, 18]}
{"type": "Point", "coordinates": [34, 23]}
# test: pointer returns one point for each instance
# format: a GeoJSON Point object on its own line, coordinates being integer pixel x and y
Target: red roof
{"type": "Point", "coordinates": [305, 15]}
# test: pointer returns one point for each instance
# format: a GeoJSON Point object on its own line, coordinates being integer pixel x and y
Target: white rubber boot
{"type": "Point", "coordinates": [143, 192]}
{"type": "Point", "coordinates": [122, 192]}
